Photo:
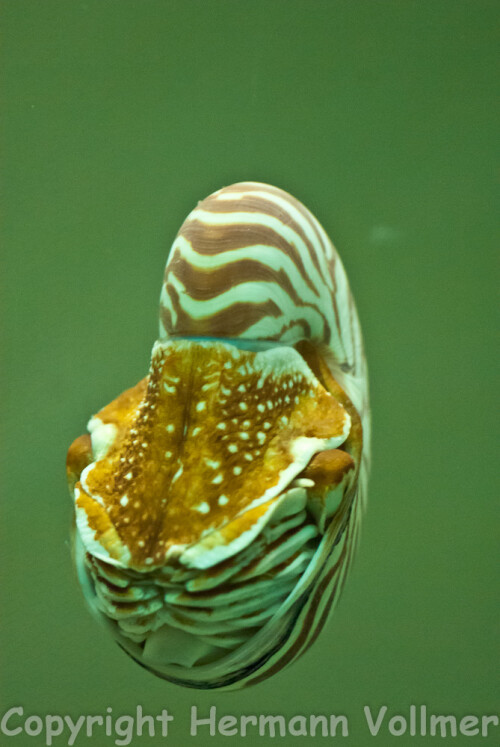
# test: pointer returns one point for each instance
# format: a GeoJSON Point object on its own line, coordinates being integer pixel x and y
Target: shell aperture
{"type": "Point", "coordinates": [217, 502]}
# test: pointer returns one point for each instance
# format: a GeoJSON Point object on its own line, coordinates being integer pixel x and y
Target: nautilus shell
{"type": "Point", "coordinates": [218, 501]}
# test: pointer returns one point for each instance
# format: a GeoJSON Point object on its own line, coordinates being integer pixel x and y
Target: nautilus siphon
{"type": "Point", "coordinates": [218, 501]}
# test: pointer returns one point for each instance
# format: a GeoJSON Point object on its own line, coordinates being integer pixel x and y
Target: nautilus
{"type": "Point", "coordinates": [218, 501]}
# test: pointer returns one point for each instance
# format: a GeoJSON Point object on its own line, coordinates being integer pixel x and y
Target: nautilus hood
{"type": "Point", "coordinates": [217, 501]}
{"type": "Point", "coordinates": [213, 439]}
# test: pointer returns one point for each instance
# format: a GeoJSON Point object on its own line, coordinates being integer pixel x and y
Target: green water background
{"type": "Point", "coordinates": [379, 116]}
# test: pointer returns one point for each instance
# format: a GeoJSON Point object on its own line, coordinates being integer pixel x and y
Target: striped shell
{"type": "Point", "coordinates": [218, 501]}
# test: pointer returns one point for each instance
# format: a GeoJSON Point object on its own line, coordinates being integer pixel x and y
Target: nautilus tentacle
{"type": "Point", "coordinates": [218, 501]}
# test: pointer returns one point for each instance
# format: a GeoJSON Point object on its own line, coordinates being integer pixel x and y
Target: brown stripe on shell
{"type": "Point", "coordinates": [307, 332]}
{"type": "Point", "coordinates": [301, 639]}
{"type": "Point", "coordinates": [250, 204]}
{"type": "Point", "coordinates": [313, 223]}
{"type": "Point", "coordinates": [334, 302]}
{"type": "Point", "coordinates": [205, 284]}
{"type": "Point", "coordinates": [346, 557]}
{"type": "Point", "coordinates": [307, 215]}
{"type": "Point", "coordinates": [230, 322]}
{"type": "Point", "coordinates": [311, 602]}
{"type": "Point", "coordinates": [352, 323]}
{"type": "Point", "coordinates": [299, 206]}
{"type": "Point", "coordinates": [331, 261]}
{"type": "Point", "coordinates": [295, 323]}
{"type": "Point", "coordinates": [333, 596]}
{"type": "Point", "coordinates": [212, 239]}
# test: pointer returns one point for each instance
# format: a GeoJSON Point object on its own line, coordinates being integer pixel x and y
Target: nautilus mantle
{"type": "Point", "coordinates": [218, 501]}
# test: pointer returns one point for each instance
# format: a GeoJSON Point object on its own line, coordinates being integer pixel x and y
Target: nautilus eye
{"type": "Point", "coordinates": [218, 501]}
